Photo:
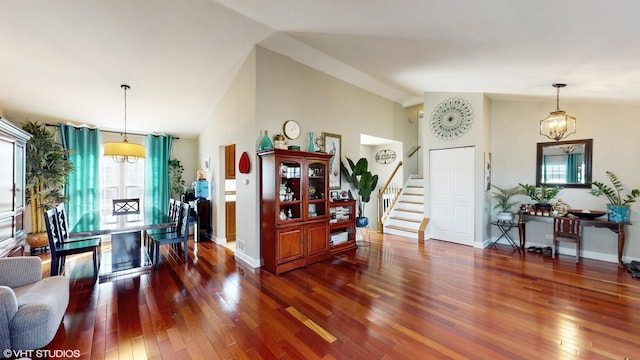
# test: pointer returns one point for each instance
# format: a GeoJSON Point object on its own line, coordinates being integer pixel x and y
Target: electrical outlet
{"type": "Point", "coordinates": [549, 236]}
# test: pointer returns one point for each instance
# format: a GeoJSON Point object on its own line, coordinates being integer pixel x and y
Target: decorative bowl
{"type": "Point", "coordinates": [587, 214]}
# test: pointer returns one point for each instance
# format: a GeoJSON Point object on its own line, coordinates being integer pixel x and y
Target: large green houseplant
{"type": "Point", "coordinates": [504, 202]}
{"type": "Point", "coordinates": [618, 206]}
{"type": "Point", "coordinates": [363, 182]}
{"type": "Point", "coordinates": [47, 167]}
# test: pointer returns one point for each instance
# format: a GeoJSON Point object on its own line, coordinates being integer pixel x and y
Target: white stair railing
{"type": "Point", "coordinates": [388, 194]}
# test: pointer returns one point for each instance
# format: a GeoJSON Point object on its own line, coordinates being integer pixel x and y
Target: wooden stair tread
{"type": "Point", "coordinates": [408, 210]}
{"type": "Point", "coordinates": [405, 219]}
{"type": "Point", "coordinates": [401, 228]}
{"type": "Point", "coordinates": [410, 202]}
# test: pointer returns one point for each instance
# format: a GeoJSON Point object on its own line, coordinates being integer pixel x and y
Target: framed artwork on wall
{"type": "Point", "coordinates": [333, 146]}
{"type": "Point", "coordinates": [487, 171]}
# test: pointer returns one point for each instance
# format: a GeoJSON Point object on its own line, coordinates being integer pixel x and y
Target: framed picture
{"type": "Point", "coordinates": [487, 171]}
{"type": "Point", "coordinates": [334, 195]}
{"type": "Point", "coordinates": [333, 145]}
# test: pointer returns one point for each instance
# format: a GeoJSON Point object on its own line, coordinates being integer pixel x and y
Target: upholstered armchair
{"type": "Point", "coordinates": [31, 307]}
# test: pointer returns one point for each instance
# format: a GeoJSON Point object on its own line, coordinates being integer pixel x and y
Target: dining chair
{"type": "Point", "coordinates": [174, 213]}
{"type": "Point", "coordinates": [178, 237]}
{"type": "Point", "coordinates": [567, 230]}
{"type": "Point", "coordinates": [61, 249]}
{"type": "Point", "coordinates": [126, 206]}
{"type": "Point", "coordinates": [65, 233]}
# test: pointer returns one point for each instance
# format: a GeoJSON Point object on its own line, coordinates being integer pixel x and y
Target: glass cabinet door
{"type": "Point", "coordinates": [6, 177]}
{"type": "Point", "coordinates": [289, 190]}
{"type": "Point", "coordinates": [19, 176]}
{"type": "Point", "coordinates": [316, 189]}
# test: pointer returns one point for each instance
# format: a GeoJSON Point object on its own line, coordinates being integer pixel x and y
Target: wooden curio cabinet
{"type": "Point", "coordinates": [294, 215]}
{"type": "Point", "coordinates": [12, 188]}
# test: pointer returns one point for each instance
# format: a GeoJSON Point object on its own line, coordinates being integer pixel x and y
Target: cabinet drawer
{"type": "Point", "coordinates": [290, 245]}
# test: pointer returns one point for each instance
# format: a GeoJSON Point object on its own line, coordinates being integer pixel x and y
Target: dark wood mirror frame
{"type": "Point", "coordinates": [585, 182]}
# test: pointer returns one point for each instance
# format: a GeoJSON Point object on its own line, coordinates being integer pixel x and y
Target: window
{"type": "Point", "coordinates": [119, 181]}
{"type": "Point", "coordinates": [555, 169]}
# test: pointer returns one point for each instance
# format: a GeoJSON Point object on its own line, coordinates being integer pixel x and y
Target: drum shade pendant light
{"type": "Point", "coordinates": [124, 151]}
{"type": "Point", "coordinates": [558, 125]}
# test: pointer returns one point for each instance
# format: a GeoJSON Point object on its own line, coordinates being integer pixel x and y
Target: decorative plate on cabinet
{"type": "Point", "coordinates": [451, 118]}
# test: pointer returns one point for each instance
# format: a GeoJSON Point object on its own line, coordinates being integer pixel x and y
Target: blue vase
{"type": "Point", "coordinates": [311, 146]}
{"type": "Point", "coordinates": [618, 213]}
{"type": "Point", "coordinates": [362, 221]}
{"type": "Point", "coordinates": [265, 143]}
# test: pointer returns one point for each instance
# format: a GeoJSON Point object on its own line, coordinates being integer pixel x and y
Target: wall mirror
{"type": "Point", "coordinates": [564, 163]}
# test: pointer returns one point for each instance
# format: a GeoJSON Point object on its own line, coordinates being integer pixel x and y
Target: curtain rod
{"type": "Point", "coordinates": [114, 132]}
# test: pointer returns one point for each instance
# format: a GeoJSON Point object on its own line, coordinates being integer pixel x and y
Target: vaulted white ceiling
{"type": "Point", "coordinates": [64, 60]}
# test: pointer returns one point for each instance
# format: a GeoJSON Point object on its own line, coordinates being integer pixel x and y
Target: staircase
{"type": "Point", "coordinates": [408, 211]}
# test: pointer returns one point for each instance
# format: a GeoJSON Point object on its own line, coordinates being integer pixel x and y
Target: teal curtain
{"type": "Point", "coordinates": [572, 168]}
{"type": "Point", "coordinates": [157, 189]}
{"type": "Point", "coordinates": [83, 184]}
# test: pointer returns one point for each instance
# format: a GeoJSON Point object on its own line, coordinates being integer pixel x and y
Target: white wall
{"type": "Point", "coordinates": [613, 128]}
{"type": "Point", "coordinates": [478, 137]}
{"type": "Point", "coordinates": [383, 171]}
{"type": "Point", "coordinates": [268, 90]}
{"type": "Point", "coordinates": [234, 121]}
{"type": "Point", "coordinates": [322, 103]}
{"type": "Point", "coordinates": [412, 165]}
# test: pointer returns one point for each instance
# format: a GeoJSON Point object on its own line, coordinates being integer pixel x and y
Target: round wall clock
{"type": "Point", "coordinates": [386, 156]}
{"type": "Point", "coordinates": [451, 118]}
{"type": "Point", "coordinates": [291, 129]}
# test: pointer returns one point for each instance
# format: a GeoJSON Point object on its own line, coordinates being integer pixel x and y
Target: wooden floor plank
{"type": "Point", "coordinates": [394, 299]}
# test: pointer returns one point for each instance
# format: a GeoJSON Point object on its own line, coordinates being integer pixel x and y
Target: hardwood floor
{"type": "Point", "coordinates": [394, 299]}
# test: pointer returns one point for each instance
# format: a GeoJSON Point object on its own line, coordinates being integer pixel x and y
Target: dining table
{"type": "Point", "coordinates": [126, 250]}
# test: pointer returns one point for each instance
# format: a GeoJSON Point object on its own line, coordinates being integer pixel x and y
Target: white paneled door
{"type": "Point", "coordinates": [451, 190]}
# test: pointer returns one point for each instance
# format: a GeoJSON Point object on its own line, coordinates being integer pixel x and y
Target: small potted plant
{"type": "Point", "coordinates": [542, 195]}
{"type": "Point", "coordinates": [361, 180]}
{"type": "Point", "coordinates": [504, 203]}
{"type": "Point", "coordinates": [618, 207]}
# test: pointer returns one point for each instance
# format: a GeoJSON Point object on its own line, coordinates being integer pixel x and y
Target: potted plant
{"type": "Point", "coordinates": [175, 176]}
{"type": "Point", "coordinates": [542, 195]}
{"type": "Point", "coordinates": [363, 182]}
{"type": "Point", "coordinates": [503, 201]}
{"type": "Point", "coordinates": [47, 167]}
{"type": "Point", "coordinates": [618, 207]}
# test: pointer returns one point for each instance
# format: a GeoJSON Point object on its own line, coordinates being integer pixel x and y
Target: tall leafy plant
{"type": "Point", "coordinates": [175, 176]}
{"type": "Point", "coordinates": [47, 168]}
{"type": "Point", "coordinates": [361, 180]}
{"type": "Point", "coordinates": [503, 197]}
{"type": "Point", "coordinates": [614, 194]}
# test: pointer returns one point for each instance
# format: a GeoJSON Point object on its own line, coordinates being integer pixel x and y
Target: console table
{"type": "Point", "coordinates": [616, 227]}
